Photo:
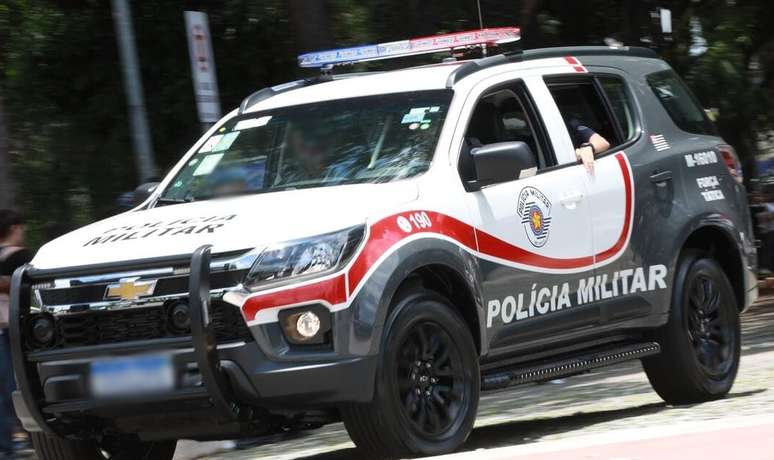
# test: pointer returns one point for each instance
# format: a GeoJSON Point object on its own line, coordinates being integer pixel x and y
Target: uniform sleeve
{"type": "Point", "coordinates": [579, 133]}
{"type": "Point", "coordinates": [14, 261]}
{"type": "Point", "coordinates": [584, 134]}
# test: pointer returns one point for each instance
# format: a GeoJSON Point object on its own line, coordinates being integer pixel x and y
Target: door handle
{"type": "Point", "coordinates": [659, 177]}
{"type": "Point", "coordinates": [571, 199]}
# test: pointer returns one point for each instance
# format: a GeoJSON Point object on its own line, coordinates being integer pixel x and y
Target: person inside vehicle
{"type": "Point", "coordinates": [306, 159]}
{"type": "Point", "coordinates": [314, 158]}
{"type": "Point", "coordinates": [498, 117]}
{"type": "Point", "coordinates": [229, 181]}
{"type": "Point", "coordinates": [587, 143]}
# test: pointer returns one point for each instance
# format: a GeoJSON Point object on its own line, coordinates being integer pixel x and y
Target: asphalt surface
{"type": "Point", "coordinates": [609, 414]}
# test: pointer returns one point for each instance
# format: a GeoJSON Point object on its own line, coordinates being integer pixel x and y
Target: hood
{"type": "Point", "coordinates": [228, 224]}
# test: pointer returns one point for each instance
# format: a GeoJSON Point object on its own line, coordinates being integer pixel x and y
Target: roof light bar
{"type": "Point", "coordinates": [414, 46]}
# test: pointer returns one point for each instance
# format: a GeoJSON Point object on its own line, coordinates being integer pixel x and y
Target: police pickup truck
{"type": "Point", "coordinates": [380, 248]}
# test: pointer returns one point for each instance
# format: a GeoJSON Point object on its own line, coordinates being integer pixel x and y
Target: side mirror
{"type": "Point", "coordinates": [501, 162]}
{"type": "Point", "coordinates": [143, 192]}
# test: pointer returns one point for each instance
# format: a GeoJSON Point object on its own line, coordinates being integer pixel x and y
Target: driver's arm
{"type": "Point", "coordinates": [599, 143]}
{"type": "Point", "coordinates": [588, 143]}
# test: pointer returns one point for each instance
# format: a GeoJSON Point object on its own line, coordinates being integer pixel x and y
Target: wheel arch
{"type": "Point", "coordinates": [439, 266]}
{"type": "Point", "coordinates": [448, 282]}
{"type": "Point", "coordinates": [716, 239]}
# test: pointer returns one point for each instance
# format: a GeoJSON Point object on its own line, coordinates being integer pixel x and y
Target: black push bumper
{"type": "Point", "coordinates": [238, 380]}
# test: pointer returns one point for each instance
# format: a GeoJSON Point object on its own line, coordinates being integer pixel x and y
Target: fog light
{"type": "Point", "coordinates": [308, 324]}
{"type": "Point", "coordinates": [43, 330]}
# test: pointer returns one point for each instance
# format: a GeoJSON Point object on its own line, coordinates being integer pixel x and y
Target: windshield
{"type": "Point", "coordinates": [360, 140]}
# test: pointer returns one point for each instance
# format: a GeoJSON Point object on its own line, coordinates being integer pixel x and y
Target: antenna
{"type": "Point", "coordinates": [481, 25]}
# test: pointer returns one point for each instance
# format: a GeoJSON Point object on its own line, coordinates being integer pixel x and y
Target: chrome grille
{"type": "Point", "coordinates": [76, 295]}
{"type": "Point", "coordinates": [166, 287]}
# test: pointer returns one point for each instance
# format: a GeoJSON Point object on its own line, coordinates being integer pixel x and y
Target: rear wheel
{"type": "Point", "coordinates": [427, 386]}
{"type": "Point", "coordinates": [701, 343]}
{"type": "Point", "coordinates": [49, 447]}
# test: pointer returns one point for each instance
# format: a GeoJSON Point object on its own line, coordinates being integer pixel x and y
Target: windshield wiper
{"type": "Point", "coordinates": [161, 201]}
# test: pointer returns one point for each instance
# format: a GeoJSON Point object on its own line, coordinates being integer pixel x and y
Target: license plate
{"type": "Point", "coordinates": [134, 376]}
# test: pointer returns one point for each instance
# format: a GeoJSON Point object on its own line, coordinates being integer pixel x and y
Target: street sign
{"type": "Point", "coordinates": [202, 66]}
{"type": "Point", "coordinates": [666, 20]}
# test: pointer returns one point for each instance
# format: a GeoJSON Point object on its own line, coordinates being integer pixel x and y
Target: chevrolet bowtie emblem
{"type": "Point", "coordinates": [130, 289]}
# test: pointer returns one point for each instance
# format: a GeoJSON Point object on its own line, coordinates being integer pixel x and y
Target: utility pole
{"type": "Point", "coordinates": [141, 140]}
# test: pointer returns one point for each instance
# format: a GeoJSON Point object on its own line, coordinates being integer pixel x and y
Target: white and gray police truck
{"type": "Point", "coordinates": [379, 248]}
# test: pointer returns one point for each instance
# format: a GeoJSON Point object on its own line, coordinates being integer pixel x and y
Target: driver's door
{"type": "Point", "coordinates": [534, 233]}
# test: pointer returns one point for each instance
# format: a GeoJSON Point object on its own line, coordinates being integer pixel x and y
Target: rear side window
{"type": "Point", "coordinates": [621, 104]}
{"type": "Point", "coordinates": [680, 103]}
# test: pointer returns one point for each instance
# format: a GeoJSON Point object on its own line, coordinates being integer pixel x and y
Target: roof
{"type": "Point", "coordinates": [430, 77]}
{"type": "Point", "coordinates": [353, 85]}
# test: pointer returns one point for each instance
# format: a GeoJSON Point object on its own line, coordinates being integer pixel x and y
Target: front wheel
{"type": "Point", "coordinates": [701, 343]}
{"type": "Point", "coordinates": [427, 385]}
{"type": "Point", "coordinates": [49, 447]}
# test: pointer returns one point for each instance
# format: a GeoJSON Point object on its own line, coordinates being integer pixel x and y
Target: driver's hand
{"type": "Point", "coordinates": [585, 155]}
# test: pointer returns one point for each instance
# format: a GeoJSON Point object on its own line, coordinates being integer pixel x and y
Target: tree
{"type": "Point", "coordinates": [309, 19]}
{"type": "Point", "coordinates": [6, 181]}
{"type": "Point", "coordinates": [65, 115]}
{"type": "Point", "coordinates": [6, 174]}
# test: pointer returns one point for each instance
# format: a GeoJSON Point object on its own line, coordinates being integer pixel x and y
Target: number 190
{"type": "Point", "coordinates": [420, 220]}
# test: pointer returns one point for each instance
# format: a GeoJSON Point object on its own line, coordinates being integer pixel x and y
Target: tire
{"type": "Point", "coordinates": [427, 383]}
{"type": "Point", "coordinates": [701, 343]}
{"type": "Point", "coordinates": [48, 447]}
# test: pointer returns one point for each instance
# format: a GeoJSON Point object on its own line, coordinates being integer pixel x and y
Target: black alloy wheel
{"type": "Point", "coordinates": [701, 342]}
{"type": "Point", "coordinates": [710, 327]}
{"type": "Point", "coordinates": [427, 384]}
{"type": "Point", "coordinates": [431, 381]}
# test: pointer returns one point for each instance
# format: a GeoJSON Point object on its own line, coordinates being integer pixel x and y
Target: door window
{"type": "Point", "coordinates": [503, 115]}
{"type": "Point", "coordinates": [583, 111]}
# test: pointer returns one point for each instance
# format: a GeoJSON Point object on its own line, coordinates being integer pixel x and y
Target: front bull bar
{"type": "Point", "coordinates": [29, 388]}
{"type": "Point", "coordinates": [203, 335]}
{"type": "Point", "coordinates": [24, 377]}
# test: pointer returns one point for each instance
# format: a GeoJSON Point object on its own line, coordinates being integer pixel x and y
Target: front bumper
{"type": "Point", "coordinates": [246, 387]}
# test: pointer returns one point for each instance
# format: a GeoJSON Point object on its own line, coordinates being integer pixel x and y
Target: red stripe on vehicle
{"type": "Point", "coordinates": [495, 247]}
{"type": "Point", "coordinates": [387, 232]}
{"type": "Point", "coordinates": [613, 250]}
{"type": "Point", "coordinates": [331, 290]}
{"type": "Point", "coordinates": [571, 60]}
{"type": "Point", "coordinates": [580, 69]}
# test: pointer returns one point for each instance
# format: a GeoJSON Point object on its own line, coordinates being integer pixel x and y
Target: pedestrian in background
{"type": "Point", "coordinates": [13, 254]}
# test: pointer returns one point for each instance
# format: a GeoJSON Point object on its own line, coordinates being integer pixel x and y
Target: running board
{"type": "Point", "coordinates": [580, 363]}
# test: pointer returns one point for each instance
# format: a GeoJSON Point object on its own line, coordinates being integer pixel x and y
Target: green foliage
{"type": "Point", "coordinates": [61, 80]}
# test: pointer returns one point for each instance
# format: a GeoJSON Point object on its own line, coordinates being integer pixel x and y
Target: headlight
{"type": "Point", "coordinates": [306, 258]}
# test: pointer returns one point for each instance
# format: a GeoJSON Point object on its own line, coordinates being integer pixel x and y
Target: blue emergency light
{"type": "Point", "coordinates": [411, 47]}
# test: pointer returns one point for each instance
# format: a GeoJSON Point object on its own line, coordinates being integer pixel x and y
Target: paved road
{"type": "Point", "coordinates": [747, 438]}
{"type": "Point", "coordinates": [612, 413]}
